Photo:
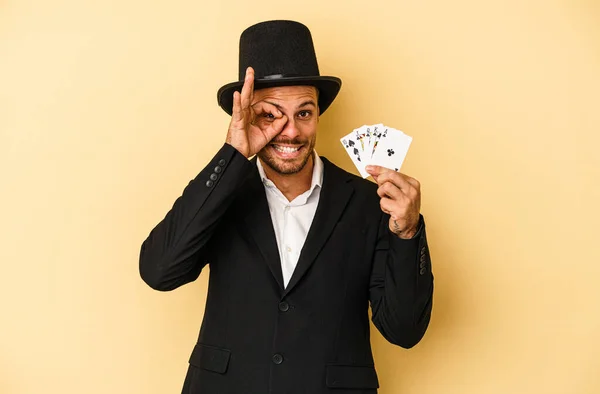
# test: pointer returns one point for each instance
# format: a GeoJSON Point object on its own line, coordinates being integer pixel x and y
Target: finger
{"type": "Point", "coordinates": [389, 206]}
{"type": "Point", "coordinates": [398, 179]}
{"type": "Point", "coordinates": [264, 108]}
{"type": "Point", "coordinates": [248, 88]}
{"type": "Point", "coordinates": [251, 87]}
{"type": "Point", "coordinates": [415, 183]}
{"type": "Point", "coordinates": [385, 205]}
{"type": "Point", "coordinates": [392, 208]}
{"type": "Point", "coordinates": [375, 171]}
{"type": "Point", "coordinates": [389, 190]}
{"type": "Point", "coordinates": [237, 107]}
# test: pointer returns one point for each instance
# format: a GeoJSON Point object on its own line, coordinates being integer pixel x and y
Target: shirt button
{"type": "Point", "coordinates": [288, 249]}
{"type": "Point", "coordinates": [218, 169]}
{"type": "Point", "coordinates": [277, 358]}
{"type": "Point", "coordinates": [209, 183]}
{"type": "Point", "coordinates": [284, 306]}
{"type": "Point", "coordinates": [222, 162]}
{"type": "Point", "coordinates": [214, 177]}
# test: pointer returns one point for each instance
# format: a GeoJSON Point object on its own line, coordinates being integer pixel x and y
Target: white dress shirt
{"type": "Point", "coordinates": [292, 219]}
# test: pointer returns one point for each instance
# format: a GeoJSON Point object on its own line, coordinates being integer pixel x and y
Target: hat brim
{"type": "Point", "coordinates": [328, 87]}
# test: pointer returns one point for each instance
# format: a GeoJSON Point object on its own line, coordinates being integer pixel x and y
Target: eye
{"type": "Point", "coordinates": [268, 115]}
{"type": "Point", "coordinates": [304, 114]}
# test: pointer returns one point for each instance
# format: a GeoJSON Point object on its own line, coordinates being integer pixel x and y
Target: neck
{"type": "Point", "coordinates": [292, 185]}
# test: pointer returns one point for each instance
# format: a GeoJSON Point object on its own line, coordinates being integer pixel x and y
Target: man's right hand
{"type": "Point", "coordinates": [246, 133]}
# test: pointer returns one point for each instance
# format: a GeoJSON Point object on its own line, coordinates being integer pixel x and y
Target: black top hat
{"type": "Point", "coordinates": [282, 54]}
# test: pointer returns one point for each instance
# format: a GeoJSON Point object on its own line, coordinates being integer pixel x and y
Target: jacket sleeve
{"type": "Point", "coordinates": [401, 288]}
{"type": "Point", "coordinates": [175, 251]}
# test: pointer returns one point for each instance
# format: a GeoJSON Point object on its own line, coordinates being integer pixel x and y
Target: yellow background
{"type": "Point", "coordinates": [108, 109]}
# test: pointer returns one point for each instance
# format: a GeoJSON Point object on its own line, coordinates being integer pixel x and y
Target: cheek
{"type": "Point", "coordinates": [309, 129]}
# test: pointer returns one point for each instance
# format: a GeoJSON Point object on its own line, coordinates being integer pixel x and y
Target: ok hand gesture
{"type": "Point", "coordinates": [246, 134]}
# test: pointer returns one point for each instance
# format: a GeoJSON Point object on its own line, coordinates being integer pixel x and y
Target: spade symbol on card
{"type": "Point", "coordinates": [350, 145]}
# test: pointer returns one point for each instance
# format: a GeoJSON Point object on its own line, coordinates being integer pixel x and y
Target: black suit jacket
{"type": "Point", "coordinates": [312, 337]}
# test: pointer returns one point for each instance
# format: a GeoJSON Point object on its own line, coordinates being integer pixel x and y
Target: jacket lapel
{"type": "Point", "coordinates": [260, 225]}
{"type": "Point", "coordinates": [333, 199]}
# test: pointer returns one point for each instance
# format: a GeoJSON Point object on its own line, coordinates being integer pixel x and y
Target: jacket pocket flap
{"type": "Point", "coordinates": [210, 358]}
{"type": "Point", "coordinates": [351, 377]}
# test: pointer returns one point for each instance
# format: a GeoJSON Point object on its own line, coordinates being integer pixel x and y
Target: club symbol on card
{"type": "Point", "coordinates": [390, 152]}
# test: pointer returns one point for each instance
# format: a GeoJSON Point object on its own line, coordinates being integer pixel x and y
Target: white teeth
{"type": "Point", "coordinates": [286, 149]}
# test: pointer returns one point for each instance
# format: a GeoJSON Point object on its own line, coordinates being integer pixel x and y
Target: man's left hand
{"type": "Point", "coordinates": [400, 198]}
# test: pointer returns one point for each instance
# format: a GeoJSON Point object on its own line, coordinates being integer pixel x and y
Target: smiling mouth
{"type": "Point", "coordinates": [286, 149]}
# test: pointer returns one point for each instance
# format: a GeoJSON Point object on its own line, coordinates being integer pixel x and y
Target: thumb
{"type": "Point", "coordinates": [374, 170]}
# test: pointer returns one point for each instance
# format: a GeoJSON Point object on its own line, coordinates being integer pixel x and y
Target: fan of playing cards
{"type": "Point", "coordinates": [378, 145]}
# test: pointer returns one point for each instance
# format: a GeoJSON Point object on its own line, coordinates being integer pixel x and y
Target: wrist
{"type": "Point", "coordinates": [406, 234]}
{"type": "Point", "coordinates": [240, 150]}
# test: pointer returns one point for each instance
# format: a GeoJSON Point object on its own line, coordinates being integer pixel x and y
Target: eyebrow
{"type": "Point", "coordinates": [309, 102]}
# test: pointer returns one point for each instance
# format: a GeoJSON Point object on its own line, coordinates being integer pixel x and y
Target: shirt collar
{"type": "Point", "coordinates": [317, 175]}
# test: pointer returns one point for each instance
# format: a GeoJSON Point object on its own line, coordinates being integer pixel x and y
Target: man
{"type": "Point", "coordinates": [297, 247]}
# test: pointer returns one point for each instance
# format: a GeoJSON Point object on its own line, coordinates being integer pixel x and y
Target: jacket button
{"type": "Point", "coordinates": [213, 177]}
{"type": "Point", "coordinates": [277, 358]}
{"type": "Point", "coordinates": [209, 183]}
{"type": "Point", "coordinates": [284, 306]}
{"type": "Point", "coordinates": [422, 272]}
{"type": "Point", "coordinates": [218, 169]}
{"type": "Point", "coordinates": [222, 162]}
{"type": "Point", "coordinates": [422, 265]}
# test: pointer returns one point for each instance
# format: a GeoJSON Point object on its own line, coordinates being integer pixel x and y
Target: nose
{"type": "Point", "coordinates": [290, 130]}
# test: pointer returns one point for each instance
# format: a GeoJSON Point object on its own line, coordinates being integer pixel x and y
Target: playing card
{"type": "Point", "coordinates": [361, 137]}
{"type": "Point", "coordinates": [378, 133]}
{"type": "Point", "coordinates": [376, 144]}
{"type": "Point", "coordinates": [391, 150]}
{"type": "Point", "coordinates": [371, 133]}
{"type": "Point", "coordinates": [352, 144]}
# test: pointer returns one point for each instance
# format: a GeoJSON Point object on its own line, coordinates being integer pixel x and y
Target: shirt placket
{"type": "Point", "coordinates": [286, 247]}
